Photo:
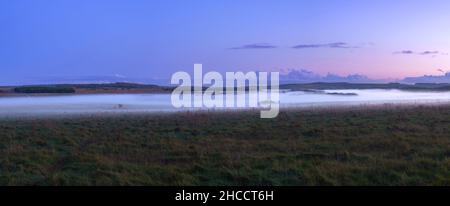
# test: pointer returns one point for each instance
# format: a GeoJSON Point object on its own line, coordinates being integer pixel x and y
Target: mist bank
{"type": "Point", "coordinates": [76, 104]}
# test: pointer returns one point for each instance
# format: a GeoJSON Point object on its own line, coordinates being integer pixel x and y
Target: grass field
{"type": "Point", "coordinates": [363, 146]}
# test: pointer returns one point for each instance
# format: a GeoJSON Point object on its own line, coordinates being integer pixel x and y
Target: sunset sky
{"type": "Point", "coordinates": [379, 38]}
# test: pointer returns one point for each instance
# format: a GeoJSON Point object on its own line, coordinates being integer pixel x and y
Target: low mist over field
{"type": "Point", "coordinates": [60, 105]}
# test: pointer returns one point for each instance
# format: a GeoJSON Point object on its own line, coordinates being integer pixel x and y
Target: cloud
{"type": "Point", "coordinates": [119, 76]}
{"type": "Point", "coordinates": [367, 44]}
{"type": "Point", "coordinates": [432, 53]}
{"type": "Point", "coordinates": [256, 46]}
{"type": "Point", "coordinates": [404, 52]}
{"type": "Point", "coordinates": [307, 76]}
{"type": "Point", "coordinates": [429, 53]}
{"type": "Point", "coordinates": [334, 45]}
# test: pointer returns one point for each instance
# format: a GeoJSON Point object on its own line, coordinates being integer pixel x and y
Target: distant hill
{"type": "Point", "coordinates": [133, 88]}
{"type": "Point", "coordinates": [346, 85]}
{"type": "Point", "coordinates": [120, 87]}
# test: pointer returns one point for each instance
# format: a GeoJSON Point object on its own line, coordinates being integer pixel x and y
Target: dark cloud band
{"type": "Point", "coordinates": [334, 45]}
{"type": "Point", "coordinates": [420, 53]}
{"type": "Point", "coordinates": [255, 46]}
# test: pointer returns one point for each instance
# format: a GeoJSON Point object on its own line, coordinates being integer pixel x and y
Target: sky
{"type": "Point", "coordinates": [382, 39]}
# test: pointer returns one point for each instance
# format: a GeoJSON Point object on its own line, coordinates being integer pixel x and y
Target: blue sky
{"type": "Point", "coordinates": [380, 39]}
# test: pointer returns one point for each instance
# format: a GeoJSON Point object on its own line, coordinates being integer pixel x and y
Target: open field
{"type": "Point", "coordinates": [391, 145]}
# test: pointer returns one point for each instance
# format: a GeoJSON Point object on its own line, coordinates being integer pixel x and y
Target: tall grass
{"type": "Point", "coordinates": [363, 146]}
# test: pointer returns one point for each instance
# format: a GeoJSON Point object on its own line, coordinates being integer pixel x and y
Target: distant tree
{"type": "Point", "coordinates": [44, 89]}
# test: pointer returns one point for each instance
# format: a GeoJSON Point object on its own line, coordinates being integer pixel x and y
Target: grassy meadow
{"type": "Point", "coordinates": [389, 145]}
